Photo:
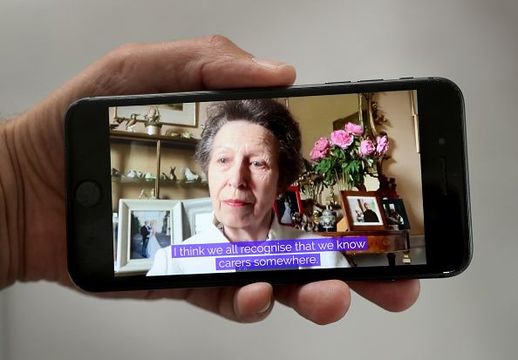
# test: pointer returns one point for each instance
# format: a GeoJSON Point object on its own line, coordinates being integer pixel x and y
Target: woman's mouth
{"type": "Point", "coordinates": [236, 202]}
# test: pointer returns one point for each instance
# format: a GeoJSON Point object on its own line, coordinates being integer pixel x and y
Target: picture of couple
{"type": "Point", "coordinates": [150, 231]}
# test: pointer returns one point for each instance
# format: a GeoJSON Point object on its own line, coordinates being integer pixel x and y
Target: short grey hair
{"type": "Point", "coordinates": [267, 113]}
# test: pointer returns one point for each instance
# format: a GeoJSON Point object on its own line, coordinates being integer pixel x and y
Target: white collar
{"type": "Point", "coordinates": [275, 231]}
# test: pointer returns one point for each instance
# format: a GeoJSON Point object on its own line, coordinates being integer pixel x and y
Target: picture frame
{"type": "Point", "coordinates": [163, 222]}
{"type": "Point", "coordinates": [363, 210]}
{"type": "Point", "coordinates": [179, 114]}
{"type": "Point", "coordinates": [288, 203]}
{"type": "Point", "coordinates": [197, 216]}
{"type": "Point", "coordinates": [395, 213]}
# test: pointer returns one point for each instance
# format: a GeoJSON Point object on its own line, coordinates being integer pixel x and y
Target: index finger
{"type": "Point", "coordinates": [212, 62]}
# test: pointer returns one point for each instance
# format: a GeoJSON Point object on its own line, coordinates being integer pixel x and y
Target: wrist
{"type": "Point", "coordinates": [10, 209]}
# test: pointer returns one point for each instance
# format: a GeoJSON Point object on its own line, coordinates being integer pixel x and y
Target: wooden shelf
{"type": "Point", "coordinates": [162, 182]}
{"type": "Point", "coordinates": [169, 141]}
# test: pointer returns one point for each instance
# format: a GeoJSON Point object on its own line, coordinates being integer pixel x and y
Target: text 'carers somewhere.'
{"type": "Point", "coordinates": [274, 254]}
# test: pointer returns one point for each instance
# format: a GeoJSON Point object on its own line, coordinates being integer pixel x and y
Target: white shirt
{"type": "Point", "coordinates": [165, 264]}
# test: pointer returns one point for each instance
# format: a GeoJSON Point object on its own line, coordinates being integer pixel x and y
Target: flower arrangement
{"type": "Point", "coordinates": [348, 155]}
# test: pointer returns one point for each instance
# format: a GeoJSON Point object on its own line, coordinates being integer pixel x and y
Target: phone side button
{"type": "Point", "coordinates": [88, 194]}
{"type": "Point", "coordinates": [370, 80]}
{"type": "Point", "coordinates": [338, 82]}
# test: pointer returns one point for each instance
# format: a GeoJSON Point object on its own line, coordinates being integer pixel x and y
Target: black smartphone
{"type": "Point", "coordinates": [349, 180]}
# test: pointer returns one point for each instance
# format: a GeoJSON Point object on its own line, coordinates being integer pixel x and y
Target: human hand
{"type": "Point", "coordinates": [33, 188]}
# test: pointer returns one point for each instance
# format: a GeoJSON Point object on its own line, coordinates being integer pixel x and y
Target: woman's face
{"type": "Point", "coordinates": [243, 174]}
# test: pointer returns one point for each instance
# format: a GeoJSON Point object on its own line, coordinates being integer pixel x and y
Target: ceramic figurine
{"type": "Point", "coordinates": [149, 176]}
{"type": "Point", "coordinates": [116, 121]}
{"type": "Point", "coordinates": [142, 194]}
{"type": "Point", "coordinates": [296, 220]}
{"type": "Point", "coordinates": [171, 133]}
{"type": "Point", "coordinates": [172, 175]}
{"type": "Point", "coordinates": [328, 220]}
{"type": "Point", "coordinates": [132, 174]}
{"type": "Point", "coordinates": [153, 115]}
{"type": "Point", "coordinates": [191, 176]}
{"type": "Point", "coordinates": [131, 122]}
{"type": "Point", "coordinates": [187, 135]}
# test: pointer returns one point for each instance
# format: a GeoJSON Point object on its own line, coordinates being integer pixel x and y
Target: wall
{"type": "Point", "coordinates": [473, 42]}
{"type": "Point", "coordinates": [404, 163]}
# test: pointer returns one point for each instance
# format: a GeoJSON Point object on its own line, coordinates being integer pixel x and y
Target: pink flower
{"type": "Point", "coordinates": [354, 129]}
{"type": "Point", "coordinates": [320, 149]}
{"type": "Point", "coordinates": [367, 147]}
{"type": "Point", "coordinates": [383, 144]}
{"type": "Point", "coordinates": [341, 138]}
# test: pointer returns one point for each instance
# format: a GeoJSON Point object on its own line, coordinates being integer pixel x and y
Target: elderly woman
{"type": "Point", "coordinates": [250, 151]}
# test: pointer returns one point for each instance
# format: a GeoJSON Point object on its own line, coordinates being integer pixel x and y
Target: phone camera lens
{"type": "Point", "coordinates": [442, 141]}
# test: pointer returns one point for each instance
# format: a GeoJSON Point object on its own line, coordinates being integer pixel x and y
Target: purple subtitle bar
{"type": "Point", "coordinates": [292, 261]}
{"type": "Point", "coordinates": [273, 247]}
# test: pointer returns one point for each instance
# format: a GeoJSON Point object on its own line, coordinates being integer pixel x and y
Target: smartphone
{"type": "Point", "coordinates": [349, 180]}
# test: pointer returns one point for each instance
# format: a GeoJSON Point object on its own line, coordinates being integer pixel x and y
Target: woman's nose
{"type": "Point", "coordinates": [238, 175]}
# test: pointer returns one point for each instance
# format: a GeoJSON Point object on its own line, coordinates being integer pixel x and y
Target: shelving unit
{"type": "Point", "coordinates": [158, 142]}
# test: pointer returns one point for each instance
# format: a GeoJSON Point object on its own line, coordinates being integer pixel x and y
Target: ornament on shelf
{"type": "Point", "coordinates": [328, 220]}
{"type": "Point", "coordinates": [190, 175]}
{"type": "Point", "coordinates": [172, 175]}
{"type": "Point", "coordinates": [132, 174]}
{"type": "Point", "coordinates": [131, 122]}
{"type": "Point", "coordinates": [116, 172]}
{"type": "Point", "coordinates": [143, 194]}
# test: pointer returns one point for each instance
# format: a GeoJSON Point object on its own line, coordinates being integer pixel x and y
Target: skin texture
{"type": "Point", "coordinates": [32, 187]}
{"type": "Point", "coordinates": [243, 175]}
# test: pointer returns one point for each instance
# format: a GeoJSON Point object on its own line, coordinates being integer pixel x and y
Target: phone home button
{"type": "Point", "coordinates": [88, 194]}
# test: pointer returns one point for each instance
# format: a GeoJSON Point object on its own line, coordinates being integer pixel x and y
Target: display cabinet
{"type": "Point", "coordinates": [154, 166]}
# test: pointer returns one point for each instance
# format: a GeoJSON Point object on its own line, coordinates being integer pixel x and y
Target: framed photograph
{"type": "Point", "coordinates": [145, 226]}
{"type": "Point", "coordinates": [395, 213]}
{"type": "Point", "coordinates": [115, 230]}
{"type": "Point", "coordinates": [363, 210]}
{"type": "Point", "coordinates": [287, 204]}
{"type": "Point", "coordinates": [181, 114]}
{"type": "Point", "coordinates": [197, 216]}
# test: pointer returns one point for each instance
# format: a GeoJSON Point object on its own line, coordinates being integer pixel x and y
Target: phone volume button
{"type": "Point", "coordinates": [338, 82]}
{"type": "Point", "coordinates": [370, 80]}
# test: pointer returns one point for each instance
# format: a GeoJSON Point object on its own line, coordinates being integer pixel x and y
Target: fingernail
{"type": "Point", "coordinates": [265, 308]}
{"type": "Point", "coordinates": [272, 64]}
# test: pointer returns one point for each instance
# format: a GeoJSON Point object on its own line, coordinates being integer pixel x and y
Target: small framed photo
{"type": "Point", "coordinates": [395, 213]}
{"type": "Point", "coordinates": [182, 114]}
{"type": "Point", "coordinates": [363, 210]}
{"type": "Point", "coordinates": [287, 204]}
{"type": "Point", "coordinates": [197, 216]}
{"type": "Point", "coordinates": [145, 226]}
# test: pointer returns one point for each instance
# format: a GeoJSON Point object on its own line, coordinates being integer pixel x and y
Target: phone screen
{"type": "Point", "coordinates": [302, 182]}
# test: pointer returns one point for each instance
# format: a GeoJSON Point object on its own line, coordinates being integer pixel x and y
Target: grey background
{"type": "Point", "coordinates": [473, 316]}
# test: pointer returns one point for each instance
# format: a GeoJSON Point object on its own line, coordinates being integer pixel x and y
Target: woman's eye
{"type": "Point", "coordinates": [222, 160]}
{"type": "Point", "coordinates": [258, 164]}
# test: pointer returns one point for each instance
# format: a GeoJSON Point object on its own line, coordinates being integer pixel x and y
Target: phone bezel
{"type": "Point", "coordinates": [444, 176]}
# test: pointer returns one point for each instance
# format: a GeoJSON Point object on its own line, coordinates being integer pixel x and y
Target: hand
{"type": "Point", "coordinates": [33, 190]}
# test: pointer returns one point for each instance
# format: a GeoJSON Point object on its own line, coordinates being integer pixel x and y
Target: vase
{"type": "Point", "coordinates": [342, 183]}
{"type": "Point", "coordinates": [153, 130]}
